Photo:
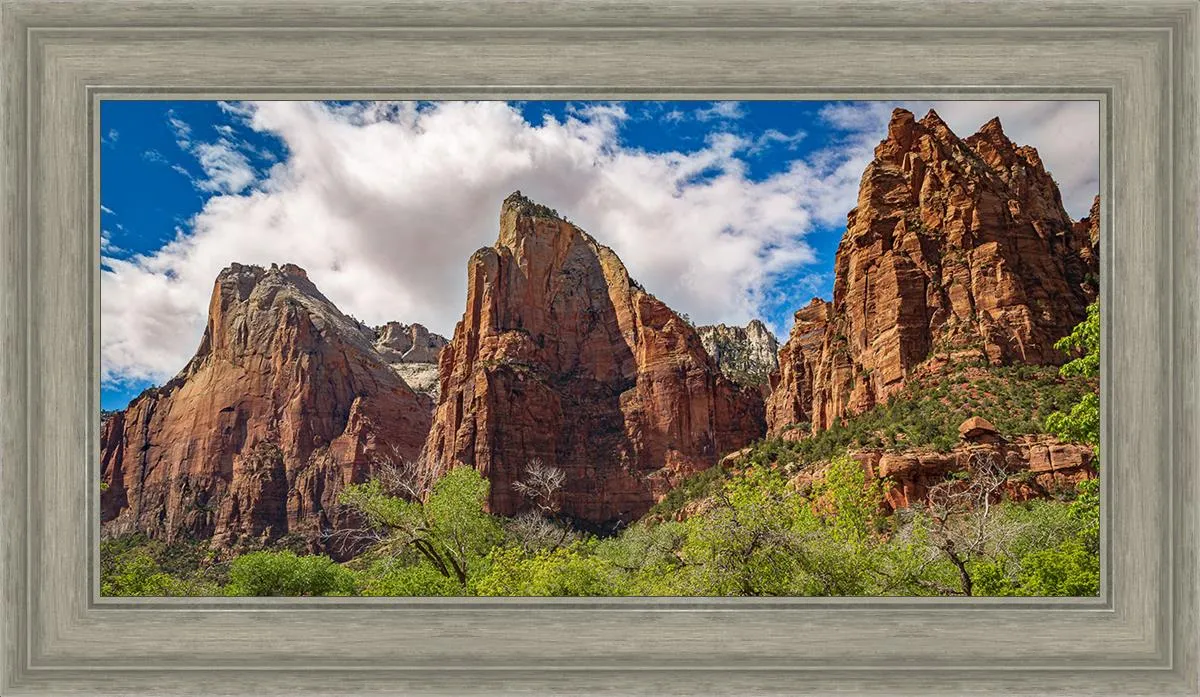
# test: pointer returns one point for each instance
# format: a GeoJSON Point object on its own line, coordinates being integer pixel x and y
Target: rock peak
{"type": "Point", "coordinates": [902, 128]}
{"type": "Point", "coordinates": [285, 402]}
{"type": "Point", "coordinates": [240, 270]}
{"type": "Point", "coordinates": [934, 210]}
{"type": "Point", "coordinates": [934, 123]}
{"type": "Point", "coordinates": [561, 357]}
{"type": "Point", "coordinates": [520, 204]}
{"type": "Point", "coordinates": [992, 127]}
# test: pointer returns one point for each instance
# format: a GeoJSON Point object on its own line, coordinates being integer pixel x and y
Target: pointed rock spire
{"type": "Point", "coordinates": [561, 357]}
{"type": "Point", "coordinates": [992, 127]}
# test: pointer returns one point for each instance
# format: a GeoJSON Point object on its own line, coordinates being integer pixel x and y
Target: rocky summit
{"type": "Point", "coordinates": [285, 402]}
{"type": "Point", "coordinates": [957, 248]}
{"type": "Point", "coordinates": [562, 357]}
{"type": "Point", "coordinates": [747, 355]}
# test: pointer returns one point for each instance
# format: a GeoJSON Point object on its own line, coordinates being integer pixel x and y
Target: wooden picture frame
{"type": "Point", "coordinates": [60, 59]}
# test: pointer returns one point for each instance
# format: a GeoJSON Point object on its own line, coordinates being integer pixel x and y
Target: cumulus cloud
{"type": "Point", "coordinates": [383, 203]}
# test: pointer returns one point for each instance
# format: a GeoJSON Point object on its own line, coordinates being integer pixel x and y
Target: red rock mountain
{"type": "Point", "coordinates": [957, 247]}
{"type": "Point", "coordinates": [562, 357]}
{"type": "Point", "coordinates": [285, 402]}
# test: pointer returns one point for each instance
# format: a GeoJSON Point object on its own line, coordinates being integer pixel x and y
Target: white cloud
{"type": "Point", "coordinates": [183, 131]}
{"type": "Point", "coordinates": [1065, 133]}
{"type": "Point", "coordinates": [105, 208]}
{"type": "Point", "coordinates": [226, 169]}
{"type": "Point", "coordinates": [106, 244]}
{"type": "Point", "coordinates": [773, 136]}
{"type": "Point", "coordinates": [383, 204]}
{"type": "Point", "coordinates": [727, 111]}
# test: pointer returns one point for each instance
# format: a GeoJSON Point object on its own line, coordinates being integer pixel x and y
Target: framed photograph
{"type": "Point", "coordinates": [577, 347]}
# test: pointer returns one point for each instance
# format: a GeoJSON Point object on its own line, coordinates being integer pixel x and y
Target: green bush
{"type": "Point", "coordinates": [562, 572]}
{"type": "Point", "coordinates": [286, 573]}
{"type": "Point", "coordinates": [133, 565]}
{"type": "Point", "coordinates": [385, 578]}
{"type": "Point", "coordinates": [138, 574]}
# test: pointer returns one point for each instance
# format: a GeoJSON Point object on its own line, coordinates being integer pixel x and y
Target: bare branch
{"type": "Point", "coordinates": [398, 476]}
{"type": "Point", "coordinates": [541, 485]}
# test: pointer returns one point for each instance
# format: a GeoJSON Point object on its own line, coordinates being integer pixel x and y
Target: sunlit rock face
{"type": "Point", "coordinates": [958, 248]}
{"type": "Point", "coordinates": [562, 357]}
{"type": "Point", "coordinates": [285, 402]}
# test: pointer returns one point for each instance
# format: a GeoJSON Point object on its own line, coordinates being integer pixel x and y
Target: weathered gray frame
{"type": "Point", "coordinates": [58, 59]}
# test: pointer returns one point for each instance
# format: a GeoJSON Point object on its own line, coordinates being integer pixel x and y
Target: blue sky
{"type": "Point", "coordinates": [726, 210]}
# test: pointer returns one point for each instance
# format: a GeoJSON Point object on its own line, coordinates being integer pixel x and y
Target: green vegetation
{"type": "Point", "coordinates": [758, 536]}
{"type": "Point", "coordinates": [286, 573]}
{"type": "Point", "coordinates": [134, 565]}
{"type": "Point", "coordinates": [756, 531]}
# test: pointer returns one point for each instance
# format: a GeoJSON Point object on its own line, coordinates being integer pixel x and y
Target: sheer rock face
{"type": "Point", "coordinates": [285, 402]}
{"type": "Point", "coordinates": [746, 355]}
{"type": "Point", "coordinates": [791, 397]}
{"type": "Point", "coordinates": [956, 248]}
{"type": "Point", "coordinates": [561, 356]}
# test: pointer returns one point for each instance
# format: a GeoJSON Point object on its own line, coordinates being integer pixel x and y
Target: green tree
{"type": "Point", "coordinates": [853, 502]}
{"type": "Point", "coordinates": [1082, 422]}
{"type": "Point", "coordinates": [386, 577]}
{"type": "Point", "coordinates": [450, 529]}
{"type": "Point", "coordinates": [1072, 566]}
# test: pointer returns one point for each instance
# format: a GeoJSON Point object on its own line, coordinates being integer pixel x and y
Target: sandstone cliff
{"type": "Point", "coordinates": [561, 356]}
{"type": "Point", "coordinates": [957, 248]}
{"type": "Point", "coordinates": [284, 403]}
{"type": "Point", "coordinates": [747, 355]}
